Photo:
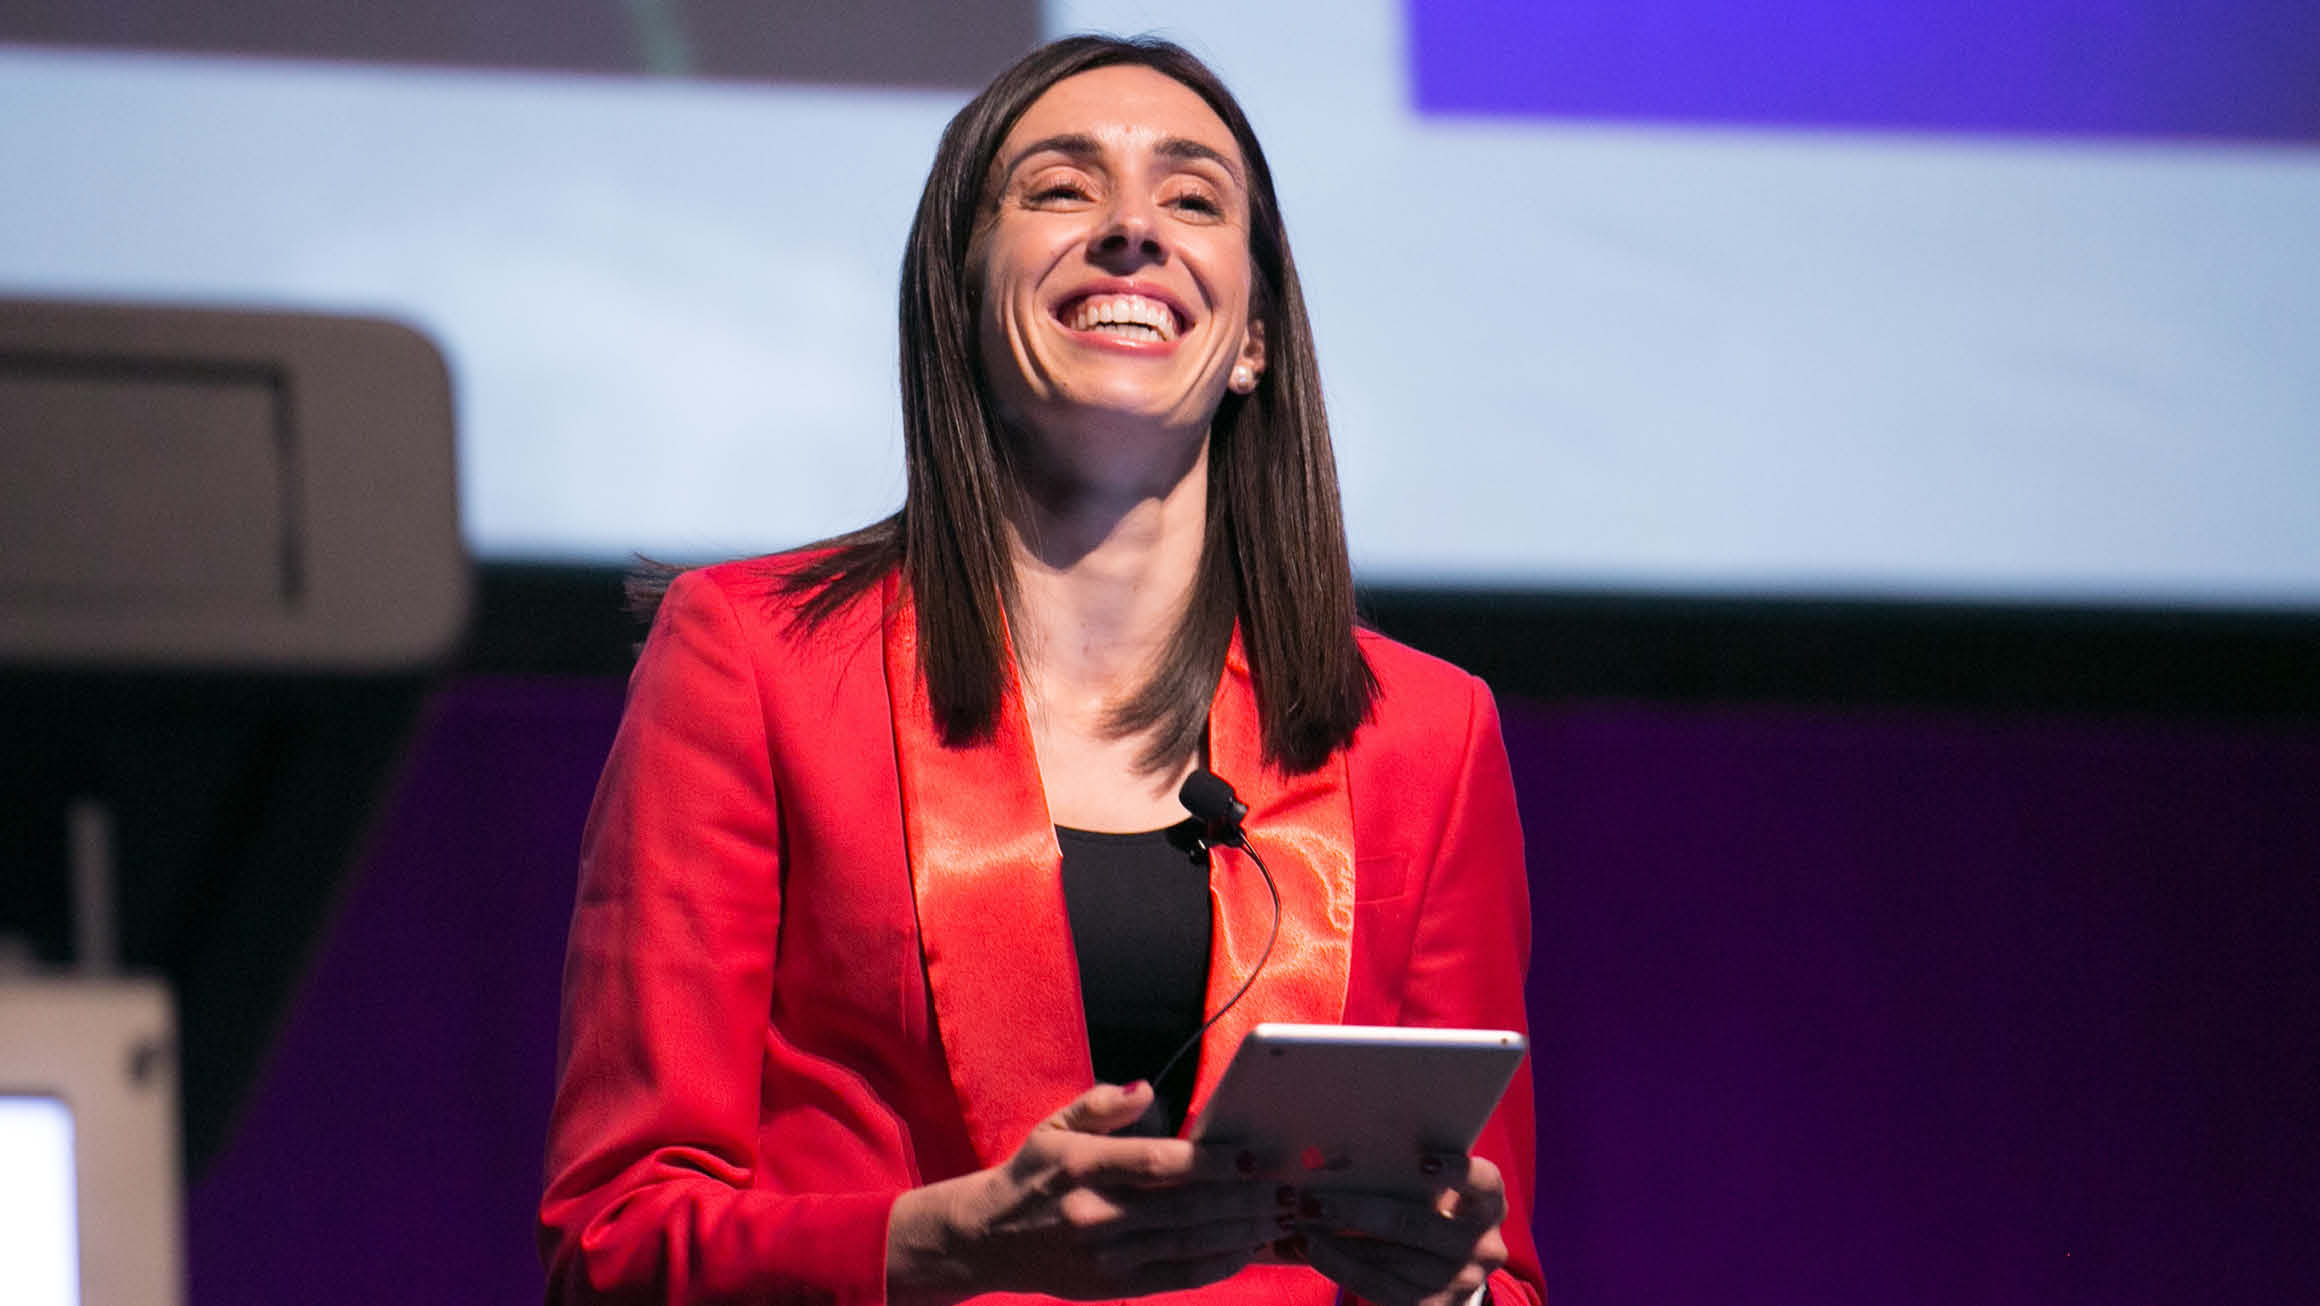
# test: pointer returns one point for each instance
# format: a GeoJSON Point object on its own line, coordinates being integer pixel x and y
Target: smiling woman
{"type": "Point", "coordinates": [1113, 263]}
{"type": "Point", "coordinates": [886, 920]}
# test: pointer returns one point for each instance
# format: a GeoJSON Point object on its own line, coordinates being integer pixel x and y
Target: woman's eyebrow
{"type": "Point", "coordinates": [1079, 145]}
{"type": "Point", "coordinates": [1180, 147]}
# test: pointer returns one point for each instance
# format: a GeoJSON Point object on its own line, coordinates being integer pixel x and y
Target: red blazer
{"type": "Point", "coordinates": [818, 958]}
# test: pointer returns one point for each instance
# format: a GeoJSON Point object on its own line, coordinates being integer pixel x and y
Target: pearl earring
{"type": "Point", "coordinates": [1244, 378]}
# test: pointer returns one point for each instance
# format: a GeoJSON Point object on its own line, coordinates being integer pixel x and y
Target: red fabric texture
{"type": "Point", "coordinates": [793, 900]}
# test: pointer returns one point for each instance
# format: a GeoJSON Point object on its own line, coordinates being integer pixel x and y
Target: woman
{"type": "Point", "coordinates": [850, 945]}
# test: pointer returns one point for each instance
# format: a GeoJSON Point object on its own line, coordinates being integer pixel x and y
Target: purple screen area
{"type": "Point", "coordinates": [1888, 1008]}
{"type": "Point", "coordinates": [2244, 70]}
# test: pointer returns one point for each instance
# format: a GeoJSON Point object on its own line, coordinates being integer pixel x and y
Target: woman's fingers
{"type": "Point", "coordinates": [1177, 1276]}
{"type": "Point", "coordinates": [1240, 1234]}
{"type": "Point", "coordinates": [1451, 1203]}
{"type": "Point", "coordinates": [1473, 1183]}
{"type": "Point", "coordinates": [1146, 1240]}
{"type": "Point", "coordinates": [1131, 1210]}
{"type": "Point", "coordinates": [1400, 1221]}
{"type": "Point", "coordinates": [1075, 1147]}
{"type": "Point", "coordinates": [1391, 1275]}
{"type": "Point", "coordinates": [1078, 1211]}
{"type": "Point", "coordinates": [1436, 1242]}
{"type": "Point", "coordinates": [1102, 1109]}
{"type": "Point", "coordinates": [1058, 1161]}
{"type": "Point", "coordinates": [1153, 1214]}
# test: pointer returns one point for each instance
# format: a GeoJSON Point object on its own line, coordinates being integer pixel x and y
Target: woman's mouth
{"type": "Point", "coordinates": [1122, 317]}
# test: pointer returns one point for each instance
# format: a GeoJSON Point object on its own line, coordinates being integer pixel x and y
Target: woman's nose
{"type": "Point", "coordinates": [1131, 230]}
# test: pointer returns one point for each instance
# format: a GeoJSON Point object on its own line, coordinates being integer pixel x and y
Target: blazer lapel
{"type": "Point", "coordinates": [988, 880]}
{"type": "Point", "coordinates": [1303, 825]}
{"type": "Point", "coordinates": [987, 877]}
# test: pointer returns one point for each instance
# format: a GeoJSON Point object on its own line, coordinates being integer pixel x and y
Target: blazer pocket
{"type": "Point", "coordinates": [1381, 940]}
{"type": "Point", "coordinates": [1379, 879]}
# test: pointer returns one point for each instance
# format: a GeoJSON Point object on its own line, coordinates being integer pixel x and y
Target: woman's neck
{"type": "Point", "coordinates": [1102, 583]}
{"type": "Point", "coordinates": [1102, 579]}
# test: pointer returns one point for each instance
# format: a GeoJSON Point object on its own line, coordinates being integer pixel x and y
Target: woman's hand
{"type": "Point", "coordinates": [1409, 1251]}
{"type": "Point", "coordinates": [1077, 1213]}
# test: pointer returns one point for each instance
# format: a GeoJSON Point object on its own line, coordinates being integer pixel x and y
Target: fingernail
{"type": "Point", "coordinates": [1291, 1248]}
{"type": "Point", "coordinates": [1139, 1086]}
{"type": "Point", "coordinates": [1245, 1162]}
{"type": "Point", "coordinates": [1430, 1165]}
{"type": "Point", "coordinates": [1285, 1196]}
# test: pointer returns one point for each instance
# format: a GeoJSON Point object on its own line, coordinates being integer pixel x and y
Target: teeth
{"type": "Point", "coordinates": [1133, 316]}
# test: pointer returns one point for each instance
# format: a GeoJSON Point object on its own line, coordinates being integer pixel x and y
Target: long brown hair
{"type": "Point", "coordinates": [1274, 558]}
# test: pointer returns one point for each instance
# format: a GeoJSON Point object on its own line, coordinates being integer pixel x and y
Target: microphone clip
{"type": "Point", "coordinates": [1218, 809]}
{"type": "Point", "coordinates": [1209, 836]}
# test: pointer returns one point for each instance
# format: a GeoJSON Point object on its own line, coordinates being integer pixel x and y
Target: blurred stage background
{"type": "Point", "coordinates": [1874, 454]}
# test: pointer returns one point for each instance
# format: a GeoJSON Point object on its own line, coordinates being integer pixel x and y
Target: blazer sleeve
{"type": "Point", "coordinates": [653, 1180]}
{"type": "Point", "coordinates": [1468, 962]}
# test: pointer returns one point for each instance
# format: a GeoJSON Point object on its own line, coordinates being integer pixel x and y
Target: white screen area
{"type": "Point", "coordinates": [1557, 354]}
{"type": "Point", "coordinates": [39, 1244]}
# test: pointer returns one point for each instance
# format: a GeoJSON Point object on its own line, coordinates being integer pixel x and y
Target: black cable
{"type": "Point", "coordinates": [1235, 839]}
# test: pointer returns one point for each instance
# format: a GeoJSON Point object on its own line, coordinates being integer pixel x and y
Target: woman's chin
{"type": "Point", "coordinates": [1110, 449]}
{"type": "Point", "coordinates": [1122, 409]}
{"type": "Point", "coordinates": [1134, 408]}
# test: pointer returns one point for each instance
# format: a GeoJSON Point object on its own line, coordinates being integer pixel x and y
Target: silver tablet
{"type": "Point", "coordinates": [1356, 1106]}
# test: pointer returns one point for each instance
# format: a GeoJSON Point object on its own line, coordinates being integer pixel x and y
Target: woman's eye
{"type": "Point", "coordinates": [1198, 202]}
{"type": "Point", "coordinates": [1056, 191]}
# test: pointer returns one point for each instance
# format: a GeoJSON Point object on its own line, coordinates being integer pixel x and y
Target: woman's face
{"type": "Point", "coordinates": [1113, 263]}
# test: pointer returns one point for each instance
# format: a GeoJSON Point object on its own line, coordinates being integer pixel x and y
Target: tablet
{"type": "Point", "coordinates": [1355, 1106]}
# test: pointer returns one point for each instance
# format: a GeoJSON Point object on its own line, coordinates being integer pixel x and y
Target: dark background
{"type": "Point", "coordinates": [1882, 954]}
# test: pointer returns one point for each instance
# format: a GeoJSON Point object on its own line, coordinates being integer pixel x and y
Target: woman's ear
{"type": "Point", "coordinates": [1251, 361]}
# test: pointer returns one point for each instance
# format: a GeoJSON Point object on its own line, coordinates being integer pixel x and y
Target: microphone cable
{"type": "Point", "coordinates": [1206, 795]}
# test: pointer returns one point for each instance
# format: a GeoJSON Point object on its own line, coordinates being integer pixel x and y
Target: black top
{"type": "Point", "coordinates": [1140, 921]}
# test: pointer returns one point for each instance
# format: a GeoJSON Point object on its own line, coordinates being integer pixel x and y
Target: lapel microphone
{"type": "Point", "coordinates": [1220, 812]}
